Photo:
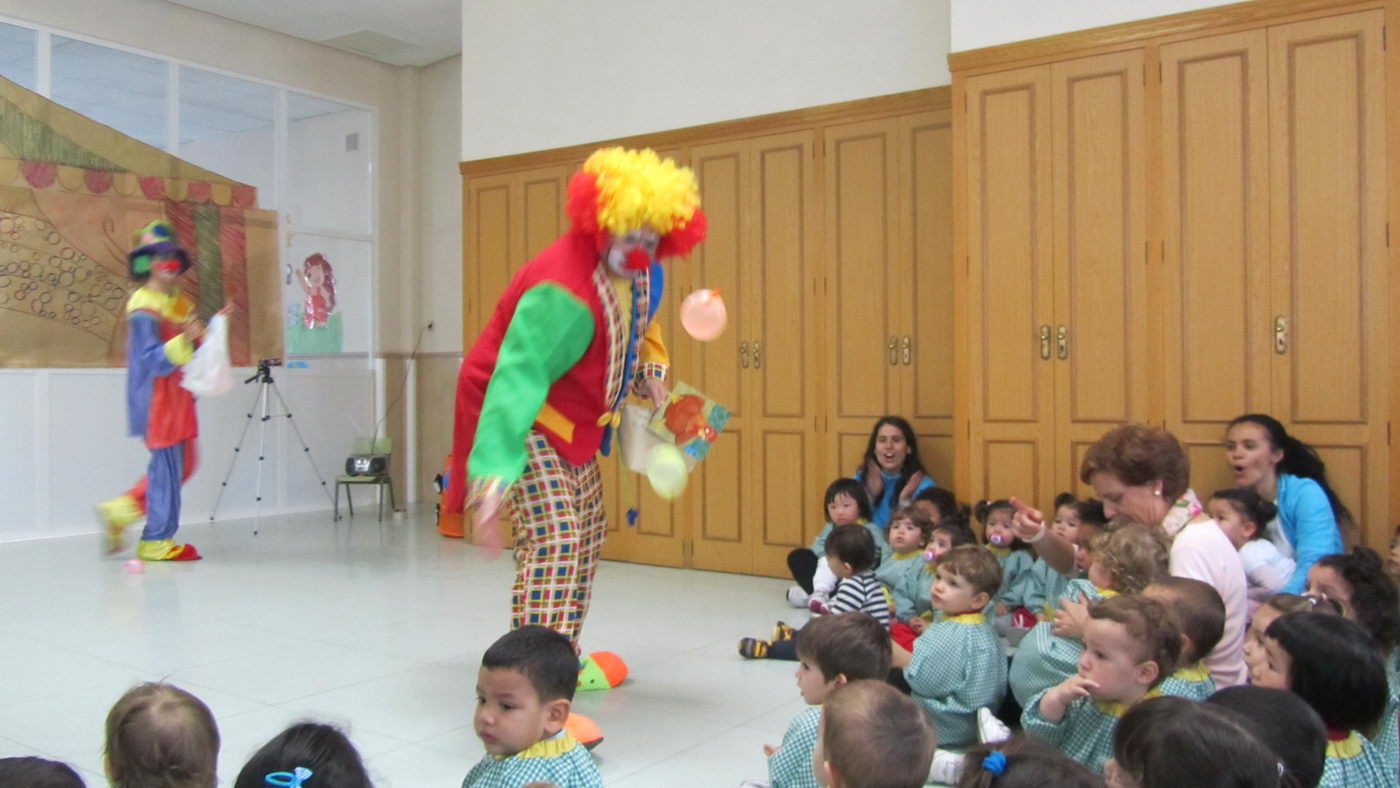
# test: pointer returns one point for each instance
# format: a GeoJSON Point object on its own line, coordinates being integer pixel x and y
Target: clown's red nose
{"type": "Point", "coordinates": [638, 260]}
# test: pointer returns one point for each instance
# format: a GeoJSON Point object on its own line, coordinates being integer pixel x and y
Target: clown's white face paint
{"type": "Point", "coordinates": [629, 255]}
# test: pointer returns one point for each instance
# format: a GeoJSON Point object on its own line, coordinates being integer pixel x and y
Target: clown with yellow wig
{"type": "Point", "coordinates": [540, 391]}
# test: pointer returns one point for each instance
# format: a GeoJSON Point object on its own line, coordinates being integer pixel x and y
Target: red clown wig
{"type": "Point", "coordinates": [621, 190]}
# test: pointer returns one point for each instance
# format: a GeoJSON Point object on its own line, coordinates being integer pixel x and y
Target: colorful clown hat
{"type": "Point", "coordinates": [150, 242]}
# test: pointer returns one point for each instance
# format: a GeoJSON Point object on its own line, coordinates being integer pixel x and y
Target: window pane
{"type": "Point", "coordinates": [18, 60]}
{"type": "Point", "coordinates": [122, 90]}
{"type": "Point", "coordinates": [328, 174]}
{"type": "Point", "coordinates": [227, 125]}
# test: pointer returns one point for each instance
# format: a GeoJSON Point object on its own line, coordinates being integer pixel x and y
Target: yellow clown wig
{"type": "Point", "coordinates": [619, 190]}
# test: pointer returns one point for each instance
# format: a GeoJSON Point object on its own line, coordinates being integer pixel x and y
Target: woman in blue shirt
{"type": "Point", "coordinates": [1283, 469]}
{"type": "Point", "coordinates": [892, 471]}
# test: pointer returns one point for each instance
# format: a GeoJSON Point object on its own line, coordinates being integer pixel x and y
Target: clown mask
{"type": "Point", "coordinates": [629, 255]}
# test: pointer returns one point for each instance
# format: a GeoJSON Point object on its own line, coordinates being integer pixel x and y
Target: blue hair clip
{"type": "Point", "coordinates": [292, 779]}
{"type": "Point", "coordinates": [995, 763]}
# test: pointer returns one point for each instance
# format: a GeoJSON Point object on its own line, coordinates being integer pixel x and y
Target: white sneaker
{"type": "Point", "coordinates": [991, 730]}
{"type": "Point", "coordinates": [946, 769]}
{"type": "Point", "coordinates": [797, 597]}
{"type": "Point", "coordinates": [756, 783]}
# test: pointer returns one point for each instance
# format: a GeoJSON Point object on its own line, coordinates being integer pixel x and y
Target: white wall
{"type": "Point", "coordinates": [439, 289]}
{"type": "Point", "coordinates": [985, 23]}
{"type": "Point", "coordinates": [547, 74]}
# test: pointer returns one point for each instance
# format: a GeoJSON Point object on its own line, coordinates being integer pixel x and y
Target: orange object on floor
{"type": "Point", "coordinates": [584, 730]}
{"type": "Point", "coordinates": [448, 524]}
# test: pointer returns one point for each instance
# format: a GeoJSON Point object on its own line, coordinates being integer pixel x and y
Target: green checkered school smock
{"type": "Point", "coordinates": [907, 577]}
{"type": "Point", "coordinates": [1192, 682]}
{"type": "Point", "coordinates": [1043, 588]}
{"type": "Point", "coordinates": [560, 760]}
{"type": "Point", "coordinates": [791, 765]}
{"type": "Point", "coordinates": [1084, 734]}
{"type": "Point", "coordinates": [1354, 762]}
{"type": "Point", "coordinates": [1387, 740]}
{"type": "Point", "coordinates": [957, 668]}
{"type": "Point", "coordinates": [1044, 659]}
{"type": "Point", "coordinates": [1015, 571]}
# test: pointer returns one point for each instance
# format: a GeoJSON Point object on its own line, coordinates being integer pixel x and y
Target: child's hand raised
{"type": "Point", "coordinates": [1069, 621]}
{"type": "Point", "coordinates": [918, 625]}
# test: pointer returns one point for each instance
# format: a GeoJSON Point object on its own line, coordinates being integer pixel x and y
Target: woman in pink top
{"type": "Point", "coordinates": [1141, 474]}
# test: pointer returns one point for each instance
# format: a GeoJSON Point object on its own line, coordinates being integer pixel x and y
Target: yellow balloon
{"type": "Point", "coordinates": [666, 471]}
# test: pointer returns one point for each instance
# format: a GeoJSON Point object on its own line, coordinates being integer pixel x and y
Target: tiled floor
{"type": "Point", "coordinates": [380, 630]}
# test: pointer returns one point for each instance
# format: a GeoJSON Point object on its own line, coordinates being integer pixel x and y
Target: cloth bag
{"type": "Point", "coordinates": [208, 373]}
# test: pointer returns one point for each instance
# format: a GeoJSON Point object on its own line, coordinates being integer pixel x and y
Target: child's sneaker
{"type": "Point", "coordinates": [753, 648]}
{"type": "Point", "coordinates": [783, 632]}
{"type": "Point", "coordinates": [991, 730]}
{"type": "Point", "coordinates": [946, 769]}
{"type": "Point", "coordinates": [797, 597]}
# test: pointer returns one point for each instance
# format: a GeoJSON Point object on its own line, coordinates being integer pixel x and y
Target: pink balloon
{"type": "Point", "coordinates": [703, 315]}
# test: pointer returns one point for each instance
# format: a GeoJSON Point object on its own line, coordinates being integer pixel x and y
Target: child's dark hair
{"type": "Point", "coordinates": [852, 489]}
{"type": "Point", "coordinates": [973, 564]}
{"type": "Point", "coordinates": [959, 533]}
{"type": "Point", "coordinates": [1151, 626]}
{"type": "Point", "coordinates": [1375, 601]}
{"type": "Point", "coordinates": [875, 735]}
{"type": "Point", "coordinates": [1299, 459]}
{"type": "Point", "coordinates": [1335, 667]}
{"type": "Point", "coordinates": [1028, 764]}
{"type": "Point", "coordinates": [853, 544]}
{"type": "Point", "coordinates": [912, 463]}
{"type": "Point", "coordinates": [853, 645]}
{"type": "Point", "coordinates": [1065, 499]}
{"type": "Point", "coordinates": [161, 735]}
{"type": "Point", "coordinates": [983, 512]}
{"type": "Point", "coordinates": [1177, 743]}
{"type": "Point", "coordinates": [947, 504]}
{"type": "Point", "coordinates": [1286, 724]}
{"type": "Point", "coordinates": [1251, 506]}
{"type": "Point", "coordinates": [1199, 610]}
{"type": "Point", "coordinates": [915, 515]}
{"type": "Point", "coordinates": [1296, 603]}
{"type": "Point", "coordinates": [1091, 513]}
{"type": "Point", "coordinates": [37, 773]}
{"type": "Point", "coordinates": [322, 749]}
{"type": "Point", "coordinates": [544, 656]}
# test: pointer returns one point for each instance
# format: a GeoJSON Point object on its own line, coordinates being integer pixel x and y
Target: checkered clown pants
{"type": "Point", "coordinates": [559, 529]}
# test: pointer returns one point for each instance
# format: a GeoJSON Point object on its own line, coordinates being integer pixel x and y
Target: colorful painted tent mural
{"type": "Point", "coordinates": [72, 191]}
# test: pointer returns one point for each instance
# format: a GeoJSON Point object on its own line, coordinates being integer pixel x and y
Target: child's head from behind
{"type": "Point", "coordinates": [997, 518]}
{"type": "Point", "coordinates": [525, 689]}
{"type": "Point", "coordinates": [846, 502]}
{"type": "Point", "coordinates": [1242, 513]}
{"type": "Point", "coordinates": [1128, 557]}
{"type": "Point", "coordinates": [1358, 583]}
{"type": "Point", "coordinates": [909, 529]}
{"type": "Point", "coordinates": [838, 648]}
{"type": "Point", "coordinates": [1329, 662]}
{"type": "Point", "coordinates": [949, 534]}
{"type": "Point", "coordinates": [850, 550]}
{"type": "Point", "coordinates": [1131, 643]}
{"type": "Point", "coordinates": [968, 577]}
{"type": "Point", "coordinates": [37, 773]}
{"type": "Point", "coordinates": [1199, 610]}
{"type": "Point", "coordinates": [322, 750]}
{"type": "Point", "coordinates": [160, 735]}
{"type": "Point", "coordinates": [871, 734]}
{"type": "Point", "coordinates": [940, 504]}
{"type": "Point", "coordinates": [1021, 762]}
{"type": "Point", "coordinates": [1178, 743]}
{"type": "Point", "coordinates": [1285, 723]}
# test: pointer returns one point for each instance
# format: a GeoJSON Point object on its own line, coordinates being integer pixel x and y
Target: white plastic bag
{"type": "Point", "coordinates": [208, 373]}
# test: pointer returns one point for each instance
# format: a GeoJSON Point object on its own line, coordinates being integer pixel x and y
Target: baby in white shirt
{"type": "Point", "coordinates": [1242, 514]}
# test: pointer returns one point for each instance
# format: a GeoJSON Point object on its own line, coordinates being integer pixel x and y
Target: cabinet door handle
{"type": "Point", "coordinates": [1062, 341]}
{"type": "Point", "coordinates": [1045, 343]}
{"type": "Point", "coordinates": [757, 355]}
{"type": "Point", "coordinates": [744, 355]}
{"type": "Point", "coordinates": [1280, 335]}
{"type": "Point", "coordinates": [908, 346]}
{"type": "Point", "coordinates": [894, 351]}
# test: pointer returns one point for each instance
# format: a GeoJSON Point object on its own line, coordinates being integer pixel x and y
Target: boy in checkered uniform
{"type": "Point", "coordinates": [524, 691]}
{"type": "Point", "coordinates": [1131, 643]}
{"type": "Point", "coordinates": [1200, 611]}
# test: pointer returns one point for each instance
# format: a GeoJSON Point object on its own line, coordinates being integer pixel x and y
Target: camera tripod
{"type": "Point", "coordinates": [267, 388]}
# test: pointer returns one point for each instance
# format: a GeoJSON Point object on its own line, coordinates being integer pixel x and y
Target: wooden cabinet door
{"type": "Point", "coordinates": [924, 277]}
{"type": "Point", "coordinates": [491, 247]}
{"type": "Point", "coordinates": [1009, 285]}
{"type": "Point", "coordinates": [864, 286]}
{"type": "Point", "coordinates": [1328, 163]}
{"type": "Point", "coordinates": [1101, 345]}
{"type": "Point", "coordinates": [1215, 248]}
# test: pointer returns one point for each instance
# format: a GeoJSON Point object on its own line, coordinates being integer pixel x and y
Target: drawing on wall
{"type": "Point", "coordinates": [314, 325]}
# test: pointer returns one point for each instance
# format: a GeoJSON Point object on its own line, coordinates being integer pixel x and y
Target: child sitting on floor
{"type": "Point", "coordinates": [1178, 743]}
{"type": "Point", "coordinates": [831, 651]}
{"type": "Point", "coordinates": [1044, 585]}
{"type": "Point", "coordinates": [957, 665]}
{"type": "Point", "coordinates": [1013, 555]}
{"type": "Point", "coordinates": [846, 502]}
{"type": "Point", "coordinates": [1200, 614]}
{"type": "Point", "coordinates": [1286, 724]}
{"type": "Point", "coordinates": [524, 693]}
{"type": "Point", "coordinates": [1131, 643]}
{"type": "Point", "coordinates": [851, 556]}
{"type": "Point", "coordinates": [1123, 560]}
{"type": "Point", "coordinates": [1243, 516]}
{"type": "Point", "coordinates": [159, 734]}
{"type": "Point", "coordinates": [31, 772]}
{"type": "Point", "coordinates": [1022, 762]}
{"type": "Point", "coordinates": [303, 751]}
{"type": "Point", "coordinates": [872, 736]}
{"type": "Point", "coordinates": [941, 506]}
{"type": "Point", "coordinates": [905, 572]}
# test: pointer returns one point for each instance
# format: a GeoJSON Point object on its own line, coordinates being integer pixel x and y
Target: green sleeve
{"type": "Point", "coordinates": [548, 334]}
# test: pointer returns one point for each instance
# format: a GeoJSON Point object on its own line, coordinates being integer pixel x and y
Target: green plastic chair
{"type": "Point", "coordinates": [383, 446]}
